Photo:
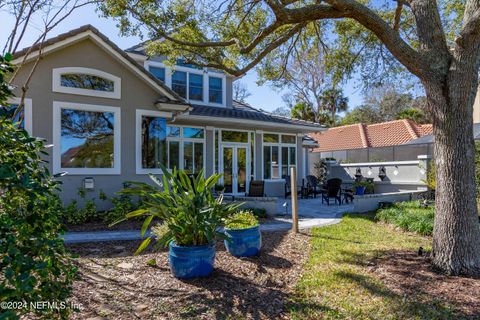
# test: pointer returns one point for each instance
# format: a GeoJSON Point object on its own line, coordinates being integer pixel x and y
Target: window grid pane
{"type": "Point", "coordinates": [195, 87]}
{"type": "Point", "coordinates": [215, 90]}
{"type": "Point", "coordinates": [173, 154]}
{"type": "Point", "coordinates": [270, 138]}
{"type": "Point", "coordinates": [158, 72]}
{"type": "Point", "coordinates": [179, 83]}
{"type": "Point", "coordinates": [288, 139]}
{"type": "Point", "coordinates": [86, 81]}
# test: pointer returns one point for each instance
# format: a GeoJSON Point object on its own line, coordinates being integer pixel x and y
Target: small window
{"type": "Point", "coordinates": [158, 72]}
{"type": "Point", "coordinates": [86, 139]}
{"type": "Point", "coordinates": [270, 138]}
{"type": "Point", "coordinates": [288, 139]}
{"type": "Point", "coordinates": [195, 88]}
{"type": "Point", "coordinates": [193, 133]}
{"type": "Point", "coordinates": [86, 81]}
{"type": "Point", "coordinates": [215, 90]}
{"type": "Point", "coordinates": [179, 83]}
{"type": "Point", "coordinates": [234, 136]}
{"type": "Point", "coordinates": [173, 131]}
{"type": "Point", "coordinates": [173, 154]}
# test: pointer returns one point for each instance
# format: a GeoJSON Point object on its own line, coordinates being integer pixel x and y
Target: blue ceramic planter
{"type": "Point", "coordinates": [360, 190]}
{"type": "Point", "coordinates": [243, 242]}
{"type": "Point", "coordinates": [191, 261]}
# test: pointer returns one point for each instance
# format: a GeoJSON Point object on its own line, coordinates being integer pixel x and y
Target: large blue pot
{"type": "Point", "coordinates": [360, 190]}
{"type": "Point", "coordinates": [243, 242]}
{"type": "Point", "coordinates": [191, 261]}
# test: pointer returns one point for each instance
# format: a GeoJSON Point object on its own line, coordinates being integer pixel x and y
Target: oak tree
{"type": "Point", "coordinates": [437, 42]}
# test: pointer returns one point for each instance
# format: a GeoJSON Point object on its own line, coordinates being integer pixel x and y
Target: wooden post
{"type": "Point", "coordinates": [293, 183]}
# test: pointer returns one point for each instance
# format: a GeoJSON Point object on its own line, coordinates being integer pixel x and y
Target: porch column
{"type": "Point", "coordinates": [258, 155]}
{"type": "Point", "coordinates": [300, 157]}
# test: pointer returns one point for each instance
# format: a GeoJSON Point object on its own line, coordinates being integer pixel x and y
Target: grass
{"type": "Point", "coordinates": [410, 216]}
{"type": "Point", "coordinates": [337, 284]}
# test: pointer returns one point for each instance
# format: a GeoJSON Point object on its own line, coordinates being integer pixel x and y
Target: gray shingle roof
{"type": "Point", "coordinates": [244, 111]}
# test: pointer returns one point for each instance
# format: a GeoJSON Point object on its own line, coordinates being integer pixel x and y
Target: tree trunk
{"type": "Point", "coordinates": [456, 234]}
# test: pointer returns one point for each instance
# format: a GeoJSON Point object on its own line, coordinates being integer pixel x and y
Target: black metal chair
{"type": "Point", "coordinates": [256, 188]}
{"type": "Point", "coordinates": [313, 187]}
{"type": "Point", "coordinates": [332, 190]}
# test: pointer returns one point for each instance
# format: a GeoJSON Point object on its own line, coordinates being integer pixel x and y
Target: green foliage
{"type": "Point", "coordinates": [363, 114]}
{"type": "Point", "coordinates": [431, 180]}
{"type": "Point", "coordinates": [33, 261]}
{"type": "Point", "coordinates": [410, 216]}
{"type": "Point", "coordinates": [369, 186]}
{"type": "Point", "coordinates": [121, 206]}
{"type": "Point", "coordinates": [189, 213]}
{"type": "Point", "coordinates": [5, 69]}
{"type": "Point", "coordinates": [258, 212]}
{"type": "Point", "coordinates": [241, 220]}
{"type": "Point", "coordinates": [414, 114]}
{"type": "Point", "coordinates": [73, 214]}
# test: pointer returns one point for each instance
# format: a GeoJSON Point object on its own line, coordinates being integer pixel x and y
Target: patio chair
{"type": "Point", "coordinates": [312, 186]}
{"type": "Point", "coordinates": [256, 189]}
{"type": "Point", "coordinates": [332, 190]}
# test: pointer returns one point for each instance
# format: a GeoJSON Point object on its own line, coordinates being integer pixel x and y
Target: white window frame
{"type": "Point", "coordinates": [28, 112]}
{"type": "Point", "coordinates": [139, 113]}
{"type": "Point", "coordinates": [181, 140]}
{"type": "Point", "coordinates": [205, 72]}
{"type": "Point", "coordinates": [57, 108]}
{"type": "Point", "coordinates": [57, 87]}
{"type": "Point", "coordinates": [278, 144]}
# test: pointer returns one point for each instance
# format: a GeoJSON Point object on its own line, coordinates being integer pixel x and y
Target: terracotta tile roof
{"type": "Point", "coordinates": [358, 136]}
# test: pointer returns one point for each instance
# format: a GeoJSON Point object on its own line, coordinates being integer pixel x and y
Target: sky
{"type": "Point", "coordinates": [264, 97]}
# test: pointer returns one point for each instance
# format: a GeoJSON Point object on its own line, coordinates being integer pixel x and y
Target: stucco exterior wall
{"type": "Point", "coordinates": [135, 94]}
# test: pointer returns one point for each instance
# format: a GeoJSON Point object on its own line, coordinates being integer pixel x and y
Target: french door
{"type": "Point", "coordinates": [234, 160]}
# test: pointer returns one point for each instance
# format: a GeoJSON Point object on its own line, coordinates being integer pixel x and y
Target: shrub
{"type": "Point", "coordinates": [121, 206]}
{"type": "Point", "coordinates": [73, 214]}
{"type": "Point", "coordinates": [34, 264]}
{"type": "Point", "coordinates": [410, 216]}
{"type": "Point", "coordinates": [189, 212]}
{"type": "Point", "coordinates": [258, 212]}
{"type": "Point", "coordinates": [241, 220]}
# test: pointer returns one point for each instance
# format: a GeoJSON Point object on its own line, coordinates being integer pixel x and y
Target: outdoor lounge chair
{"type": "Point", "coordinates": [312, 187]}
{"type": "Point", "coordinates": [332, 190]}
{"type": "Point", "coordinates": [256, 189]}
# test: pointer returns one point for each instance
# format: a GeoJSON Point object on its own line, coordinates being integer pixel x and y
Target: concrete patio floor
{"type": "Point", "coordinates": [311, 212]}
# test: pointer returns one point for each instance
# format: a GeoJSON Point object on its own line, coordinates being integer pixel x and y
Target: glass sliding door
{"type": "Point", "coordinates": [234, 168]}
{"type": "Point", "coordinates": [228, 169]}
{"type": "Point", "coordinates": [241, 169]}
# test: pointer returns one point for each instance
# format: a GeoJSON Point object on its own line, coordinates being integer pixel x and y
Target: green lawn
{"type": "Point", "coordinates": [338, 281]}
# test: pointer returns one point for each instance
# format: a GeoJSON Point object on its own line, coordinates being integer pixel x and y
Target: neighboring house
{"type": "Point", "coordinates": [116, 116]}
{"type": "Point", "coordinates": [368, 143]}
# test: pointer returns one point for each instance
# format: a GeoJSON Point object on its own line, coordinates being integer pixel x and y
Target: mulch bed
{"type": "Point", "coordinates": [118, 285]}
{"type": "Point", "coordinates": [412, 276]}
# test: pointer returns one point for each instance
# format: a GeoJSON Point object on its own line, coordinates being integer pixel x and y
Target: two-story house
{"type": "Point", "coordinates": [114, 116]}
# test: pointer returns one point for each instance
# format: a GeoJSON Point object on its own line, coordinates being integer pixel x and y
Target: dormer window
{"type": "Point", "coordinates": [87, 82]}
{"type": "Point", "coordinates": [202, 86]}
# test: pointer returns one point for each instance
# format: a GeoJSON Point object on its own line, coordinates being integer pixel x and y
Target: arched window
{"type": "Point", "coordinates": [86, 81]}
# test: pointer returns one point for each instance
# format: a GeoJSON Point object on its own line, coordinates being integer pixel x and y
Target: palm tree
{"type": "Point", "coordinates": [333, 101]}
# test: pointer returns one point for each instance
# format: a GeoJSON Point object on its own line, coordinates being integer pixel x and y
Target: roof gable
{"type": "Point", "coordinates": [90, 32]}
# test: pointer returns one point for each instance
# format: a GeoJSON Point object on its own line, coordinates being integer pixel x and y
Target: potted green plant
{"type": "Point", "coordinates": [244, 238]}
{"type": "Point", "coordinates": [361, 186]}
{"type": "Point", "coordinates": [190, 215]}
